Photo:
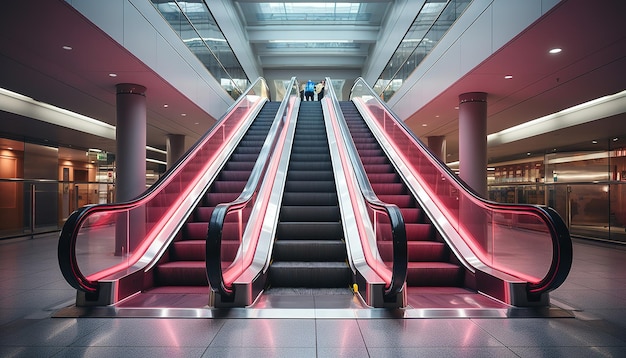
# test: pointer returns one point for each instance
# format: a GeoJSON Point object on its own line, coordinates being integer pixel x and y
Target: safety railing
{"type": "Point", "coordinates": [528, 242]}
{"type": "Point", "coordinates": [385, 220]}
{"type": "Point", "coordinates": [237, 222]}
{"type": "Point", "coordinates": [113, 240]}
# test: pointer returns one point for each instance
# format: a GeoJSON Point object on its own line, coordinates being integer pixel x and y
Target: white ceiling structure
{"type": "Point", "coordinates": [311, 40]}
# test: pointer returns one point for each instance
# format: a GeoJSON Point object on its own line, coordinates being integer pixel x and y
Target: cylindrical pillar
{"type": "Point", "coordinates": [175, 147]}
{"type": "Point", "coordinates": [437, 145]}
{"type": "Point", "coordinates": [130, 159]}
{"type": "Point", "coordinates": [130, 134]}
{"type": "Point", "coordinates": [473, 140]}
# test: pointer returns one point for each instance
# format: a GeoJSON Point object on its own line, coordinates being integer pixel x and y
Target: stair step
{"type": "Point", "coordinates": [310, 274]}
{"type": "Point", "coordinates": [309, 230]}
{"type": "Point", "coordinates": [309, 250]}
{"type": "Point", "coordinates": [434, 274]}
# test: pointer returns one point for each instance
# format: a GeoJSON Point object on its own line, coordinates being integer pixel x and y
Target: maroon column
{"type": "Point", "coordinates": [130, 136]}
{"type": "Point", "coordinates": [473, 140]}
{"type": "Point", "coordinates": [437, 145]}
{"type": "Point", "coordinates": [130, 160]}
{"type": "Point", "coordinates": [175, 148]}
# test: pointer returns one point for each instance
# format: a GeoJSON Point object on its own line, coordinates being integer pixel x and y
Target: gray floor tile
{"type": "Point", "coordinates": [569, 352]}
{"type": "Point", "coordinates": [152, 332]}
{"type": "Point", "coordinates": [266, 333]}
{"type": "Point", "coordinates": [539, 332]}
{"type": "Point", "coordinates": [338, 333]}
{"type": "Point", "coordinates": [442, 352]}
{"type": "Point", "coordinates": [425, 333]}
{"type": "Point", "coordinates": [134, 352]}
{"type": "Point", "coordinates": [254, 352]}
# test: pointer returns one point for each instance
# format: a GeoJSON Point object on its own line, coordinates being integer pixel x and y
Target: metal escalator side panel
{"type": "Point", "coordinates": [380, 285]}
{"type": "Point", "coordinates": [234, 285]}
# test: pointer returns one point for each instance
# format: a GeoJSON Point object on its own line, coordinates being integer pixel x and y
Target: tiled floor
{"type": "Point", "coordinates": [32, 289]}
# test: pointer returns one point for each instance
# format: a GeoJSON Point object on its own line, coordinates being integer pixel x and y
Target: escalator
{"type": "Point", "coordinates": [149, 252]}
{"type": "Point", "coordinates": [463, 251]}
{"type": "Point", "coordinates": [309, 251]}
{"type": "Point", "coordinates": [182, 268]}
{"type": "Point", "coordinates": [430, 261]}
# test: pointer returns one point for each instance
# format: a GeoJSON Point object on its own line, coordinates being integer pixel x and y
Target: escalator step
{"type": "Point", "coordinates": [295, 230]}
{"type": "Point", "coordinates": [309, 250]}
{"type": "Point", "coordinates": [323, 199]}
{"type": "Point", "coordinates": [309, 213]}
{"type": "Point", "coordinates": [310, 274]}
{"type": "Point", "coordinates": [434, 274]}
{"type": "Point", "coordinates": [309, 186]}
{"type": "Point", "coordinates": [308, 166]}
{"type": "Point", "coordinates": [309, 175]}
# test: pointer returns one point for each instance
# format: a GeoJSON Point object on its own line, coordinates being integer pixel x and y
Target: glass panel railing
{"type": "Point", "coordinates": [385, 251]}
{"type": "Point", "coordinates": [103, 240]}
{"type": "Point", "coordinates": [235, 227]}
{"type": "Point", "coordinates": [535, 236]}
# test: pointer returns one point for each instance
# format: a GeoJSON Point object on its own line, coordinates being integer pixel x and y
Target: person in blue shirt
{"type": "Point", "coordinates": [309, 90]}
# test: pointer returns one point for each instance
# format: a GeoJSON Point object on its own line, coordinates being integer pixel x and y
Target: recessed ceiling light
{"type": "Point", "coordinates": [183, 114]}
{"type": "Point", "coordinates": [615, 139]}
{"type": "Point", "coordinates": [594, 141]}
{"type": "Point", "coordinates": [112, 74]}
{"type": "Point", "coordinates": [166, 105]}
{"type": "Point", "coordinates": [457, 107]}
{"type": "Point", "coordinates": [424, 125]}
{"type": "Point", "coordinates": [528, 153]}
{"type": "Point", "coordinates": [197, 123]}
{"type": "Point", "coordinates": [555, 50]}
{"type": "Point", "coordinates": [508, 77]}
{"type": "Point", "coordinates": [68, 48]}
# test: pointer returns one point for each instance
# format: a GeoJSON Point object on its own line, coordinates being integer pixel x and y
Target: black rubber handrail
{"type": "Point", "coordinates": [398, 228]}
{"type": "Point", "coordinates": [216, 223]}
{"type": "Point", "coordinates": [562, 252]}
{"type": "Point", "coordinates": [66, 250]}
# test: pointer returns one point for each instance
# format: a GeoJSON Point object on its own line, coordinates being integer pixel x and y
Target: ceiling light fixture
{"type": "Point", "coordinates": [508, 77]}
{"type": "Point", "coordinates": [310, 41]}
{"type": "Point", "coordinates": [112, 74]}
{"type": "Point", "coordinates": [68, 48]}
{"type": "Point", "coordinates": [555, 50]}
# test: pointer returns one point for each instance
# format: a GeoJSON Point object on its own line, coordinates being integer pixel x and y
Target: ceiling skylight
{"type": "Point", "coordinates": [311, 11]}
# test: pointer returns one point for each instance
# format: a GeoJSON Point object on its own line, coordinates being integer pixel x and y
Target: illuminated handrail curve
{"type": "Point", "coordinates": [551, 222]}
{"type": "Point", "coordinates": [395, 280]}
{"type": "Point", "coordinates": [178, 181]}
{"type": "Point", "coordinates": [218, 281]}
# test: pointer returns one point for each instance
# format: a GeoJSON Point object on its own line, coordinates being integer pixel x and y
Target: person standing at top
{"type": "Point", "coordinates": [309, 90]}
{"type": "Point", "coordinates": [319, 89]}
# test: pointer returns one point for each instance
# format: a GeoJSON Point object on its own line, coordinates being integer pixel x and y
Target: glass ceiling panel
{"type": "Point", "coordinates": [311, 12]}
{"type": "Point", "coordinates": [289, 13]}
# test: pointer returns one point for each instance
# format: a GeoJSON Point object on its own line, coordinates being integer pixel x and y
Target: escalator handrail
{"type": "Point", "coordinates": [559, 233]}
{"type": "Point", "coordinates": [216, 223]}
{"type": "Point", "coordinates": [399, 239]}
{"type": "Point", "coordinates": [66, 250]}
